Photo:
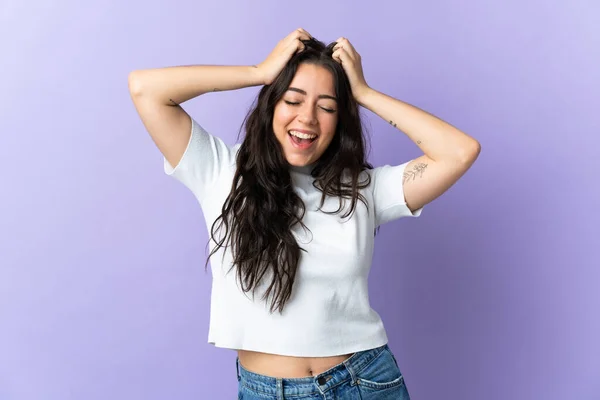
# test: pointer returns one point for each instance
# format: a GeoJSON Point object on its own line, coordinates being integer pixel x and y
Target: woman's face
{"type": "Point", "coordinates": [307, 109]}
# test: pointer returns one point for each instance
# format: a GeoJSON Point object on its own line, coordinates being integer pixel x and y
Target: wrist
{"type": "Point", "coordinates": [257, 75]}
{"type": "Point", "coordinates": [363, 95]}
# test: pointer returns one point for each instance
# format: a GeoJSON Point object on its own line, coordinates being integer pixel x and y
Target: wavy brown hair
{"type": "Point", "coordinates": [262, 207]}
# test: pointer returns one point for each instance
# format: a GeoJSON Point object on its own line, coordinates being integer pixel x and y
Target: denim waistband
{"type": "Point", "coordinates": [319, 384]}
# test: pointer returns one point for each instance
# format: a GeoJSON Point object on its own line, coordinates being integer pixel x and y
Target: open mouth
{"type": "Point", "coordinates": [302, 140]}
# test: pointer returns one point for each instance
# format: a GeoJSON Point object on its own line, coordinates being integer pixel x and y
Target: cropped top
{"type": "Point", "coordinates": [328, 312]}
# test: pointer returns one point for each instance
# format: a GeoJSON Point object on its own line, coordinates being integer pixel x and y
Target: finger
{"type": "Point", "coordinates": [293, 37]}
{"type": "Point", "coordinates": [341, 56]}
{"type": "Point", "coordinates": [301, 34]}
{"type": "Point", "coordinates": [300, 46]}
{"type": "Point", "coordinates": [336, 56]}
{"type": "Point", "coordinates": [353, 55]}
{"type": "Point", "coordinates": [292, 47]}
{"type": "Point", "coordinates": [345, 43]}
{"type": "Point", "coordinates": [296, 46]}
{"type": "Point", "coordinates": [349, 47]}
{"type": "Point", "coordinates": [295, 34]}
{"type": "Point", "coordinates": [305, 32]}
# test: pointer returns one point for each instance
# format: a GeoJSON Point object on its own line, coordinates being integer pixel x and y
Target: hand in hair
{"type": "Point", "coordinates": [281, 54]}
{"type": "Point", "coordinates": [345, 54]}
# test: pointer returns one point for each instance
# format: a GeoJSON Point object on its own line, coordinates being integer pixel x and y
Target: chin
{"type": "Point", "coordinates": [295, 162]}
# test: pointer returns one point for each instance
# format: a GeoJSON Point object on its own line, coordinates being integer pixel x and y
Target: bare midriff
{"type": "Point", "coordinates": [278, 366]}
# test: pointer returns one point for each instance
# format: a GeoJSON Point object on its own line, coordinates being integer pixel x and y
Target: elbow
{"type": "Point", "coordinates": [469, 153]}
{"type": "Point", "coordinates": [134, 83]}
{"type": "Point", "coordinates": [472, 152]}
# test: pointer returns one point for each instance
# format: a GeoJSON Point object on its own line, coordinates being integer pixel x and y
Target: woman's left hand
{"type": "Point", "coordinates": [346, 55]}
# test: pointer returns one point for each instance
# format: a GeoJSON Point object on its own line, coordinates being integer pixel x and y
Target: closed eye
{"type": "Point", "coordinates": [292, 103]}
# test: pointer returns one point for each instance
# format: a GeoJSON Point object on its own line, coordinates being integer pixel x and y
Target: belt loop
{"type": "Point", "coordinates": [279, 388]}
{"type": "Point", "coordinates": [237, 368]}
{"type": "Point", "coordinates": [351, 371]}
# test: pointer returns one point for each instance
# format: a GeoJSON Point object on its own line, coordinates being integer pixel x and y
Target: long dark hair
{"type": "Point", "coordinates": [262, 206]}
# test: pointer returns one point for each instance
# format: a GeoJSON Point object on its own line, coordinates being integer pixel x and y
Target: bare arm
{"type": "Point", "coordinates": [157, 93]}
{"type": "Point", "coordinates": [180, 84]}
{"type": "Point", "coordinates": [449, 152]}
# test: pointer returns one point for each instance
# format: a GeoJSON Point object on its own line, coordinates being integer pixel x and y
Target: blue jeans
{"type": "Point", "coordinates": [368, 374]}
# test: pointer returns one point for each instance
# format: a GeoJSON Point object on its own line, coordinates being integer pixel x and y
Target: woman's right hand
{"type": "Point", "coordinates": [281, 54]}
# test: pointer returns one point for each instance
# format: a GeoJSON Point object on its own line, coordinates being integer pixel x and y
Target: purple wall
{"type": "Point", "coordinates": [491, 294]}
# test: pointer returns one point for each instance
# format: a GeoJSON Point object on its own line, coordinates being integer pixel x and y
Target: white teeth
{"type": "Point", "coordinates": [302, 135]}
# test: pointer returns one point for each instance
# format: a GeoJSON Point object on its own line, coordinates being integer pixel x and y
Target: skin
{"type": "Point", "coordinates": [448, 154]}
{"type": "Point", "coordinates": [310, 111]}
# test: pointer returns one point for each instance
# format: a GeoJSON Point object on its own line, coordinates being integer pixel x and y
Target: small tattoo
{"type": "Point", "coordinates": [393, 124]}
{"type": "Point", "coordinates": [418, 169]}
{"type": "Point", "coordinates": [418, 142]}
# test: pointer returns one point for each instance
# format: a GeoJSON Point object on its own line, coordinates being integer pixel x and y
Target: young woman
{"type": "Point", "coordinates": [292, 212]}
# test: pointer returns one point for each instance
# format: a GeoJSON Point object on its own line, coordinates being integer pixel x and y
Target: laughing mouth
{"type": "Point", "coordinates": [302, 137]}
{"type": "Point", "coordinates": [301, 140]}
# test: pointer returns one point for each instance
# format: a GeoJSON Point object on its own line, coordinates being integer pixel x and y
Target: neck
{"type": "Point", "coordinates": [306, 169]}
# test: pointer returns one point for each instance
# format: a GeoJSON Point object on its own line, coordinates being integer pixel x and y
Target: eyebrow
{"type": "Point", "coordinates": [321, 96]}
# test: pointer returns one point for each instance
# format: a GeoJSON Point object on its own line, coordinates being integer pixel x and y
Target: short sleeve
{"type": "Point", "coordinates": [388, 194]}
{"type": "Point", "coordinates": [204, 160]}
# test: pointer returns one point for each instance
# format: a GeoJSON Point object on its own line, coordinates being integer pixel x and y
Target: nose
{"type": "Point", "coordinates": [307, 115]}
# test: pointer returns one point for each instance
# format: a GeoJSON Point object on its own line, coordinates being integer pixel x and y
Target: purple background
{"type": "Point", "coordinates": [491, 294]}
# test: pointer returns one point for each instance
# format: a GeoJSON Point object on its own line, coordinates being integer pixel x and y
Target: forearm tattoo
{"type": "Point", "coordinates": [392, 123]}
{"type": "Point", "coordinates": [417, 170]}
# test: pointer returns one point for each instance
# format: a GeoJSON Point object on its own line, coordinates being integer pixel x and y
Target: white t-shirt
{"type": "Point", "coordinates": [328, 312]}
